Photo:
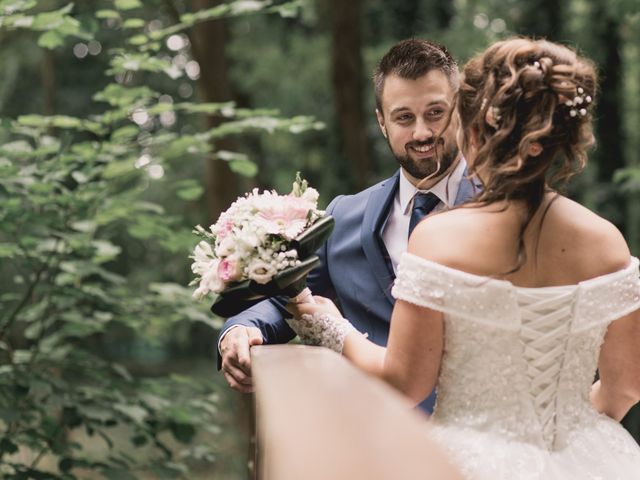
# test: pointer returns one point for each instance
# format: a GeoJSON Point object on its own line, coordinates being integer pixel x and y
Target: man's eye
{"type": "Point", "coordinates": [436, 113]}
{"type": "Point", "coordinates": [404, 118]}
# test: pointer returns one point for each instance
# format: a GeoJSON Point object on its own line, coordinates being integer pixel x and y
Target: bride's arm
{"type": "Point", "coordinates": [619, 367]}
{"type": "Point", "coordinates": [411, 361]}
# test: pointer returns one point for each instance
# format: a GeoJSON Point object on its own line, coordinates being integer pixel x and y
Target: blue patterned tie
{"type": "Point", "coordinates": [423, 203]}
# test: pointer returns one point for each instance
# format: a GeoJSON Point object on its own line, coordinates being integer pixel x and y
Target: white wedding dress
{"type": "Point", "coordinates": [517, 368]}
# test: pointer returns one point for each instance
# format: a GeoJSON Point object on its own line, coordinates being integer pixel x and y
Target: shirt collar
{"type": "Point", "coordinates": [446, 189]}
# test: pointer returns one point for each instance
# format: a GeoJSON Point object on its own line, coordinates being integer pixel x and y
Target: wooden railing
{"type": "Point", "coordinates": [318, 417]}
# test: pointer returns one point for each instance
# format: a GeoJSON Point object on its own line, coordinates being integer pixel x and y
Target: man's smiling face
{"type": "Point", "coordinates": [414, 113]}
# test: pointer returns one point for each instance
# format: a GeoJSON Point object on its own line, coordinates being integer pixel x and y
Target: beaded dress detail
{"type": "Point", "coordinates": [516, 372]}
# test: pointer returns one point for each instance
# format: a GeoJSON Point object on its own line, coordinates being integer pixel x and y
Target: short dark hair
{"type": "Point", "coordinates": [413, 58]}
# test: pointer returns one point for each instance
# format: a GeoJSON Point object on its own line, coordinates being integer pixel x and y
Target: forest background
{"type": "Point", "coordinates": [125, 123]}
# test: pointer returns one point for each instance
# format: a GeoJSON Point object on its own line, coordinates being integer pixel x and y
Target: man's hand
{"type": "Point", "coordinates": [236, 360]}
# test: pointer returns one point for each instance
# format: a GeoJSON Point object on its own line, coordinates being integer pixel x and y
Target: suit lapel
{"type": "Point", "coordinates": [375, 215]}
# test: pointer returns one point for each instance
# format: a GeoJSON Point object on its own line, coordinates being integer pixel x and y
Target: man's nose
{"type": "Point", "coordinates": [422, 132]}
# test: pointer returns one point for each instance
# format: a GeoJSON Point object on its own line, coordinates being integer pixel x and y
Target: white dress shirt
{"type": "Point", "coordinates": [396, 231]}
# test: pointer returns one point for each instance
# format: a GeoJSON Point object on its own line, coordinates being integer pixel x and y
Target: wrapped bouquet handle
{"type": "Point", "coordinates": [305, 296]}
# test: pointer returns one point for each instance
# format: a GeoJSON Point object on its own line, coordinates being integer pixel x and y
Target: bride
{"type": "Point", "coordinates": [509, 304]}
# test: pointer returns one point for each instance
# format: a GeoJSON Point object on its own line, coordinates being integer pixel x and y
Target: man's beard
{"type": "Point", "coordinates": [430, 167]}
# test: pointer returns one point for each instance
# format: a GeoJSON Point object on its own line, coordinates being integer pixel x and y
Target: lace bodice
{"type": "Point", "coordinates": [518, 361]}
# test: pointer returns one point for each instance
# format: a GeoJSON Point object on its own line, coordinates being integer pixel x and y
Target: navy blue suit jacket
{"type": "Point", "coordinates": [355, 269]}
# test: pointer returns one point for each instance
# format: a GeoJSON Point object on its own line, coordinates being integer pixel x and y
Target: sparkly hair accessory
{"type": "Point", "coordinates": [492, 117]}
{"type": "Point", "coordinates": [578, 105]}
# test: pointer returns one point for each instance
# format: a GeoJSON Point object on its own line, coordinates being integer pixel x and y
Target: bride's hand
{"type": "Point", "coordinates": [317, 321]}
{"type": "Point", "coordinates": [321, 305]}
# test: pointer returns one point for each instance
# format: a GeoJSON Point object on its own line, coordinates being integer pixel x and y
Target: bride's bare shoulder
{"type": "Point", "coordinates": [484, 239]}
{"type": "Point", "coordinates": [473, 239]}
{"type": "Point", "coordinates": [572, 229]}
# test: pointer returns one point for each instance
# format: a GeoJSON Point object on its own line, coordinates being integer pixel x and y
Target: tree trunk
{"type": "Point", "coordinates": [611, 137]}
{"type": "Point", "coordinates": [208, 41]}
{"type": "Point", "coordinates": [347, 81]}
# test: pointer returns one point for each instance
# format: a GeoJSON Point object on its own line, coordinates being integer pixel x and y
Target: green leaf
{"type": "Point", "coordinates": [86, 226]}
{"type": "Point", "coordinates": [79, 177]}
{"type": "Point", "coordinates": [246, 168]}
{"type": "Point", "coordinates": [120, 95]}
{"type": "Point", "coordinates": [138, 40]}
{"type": "Point", "coordinates": [105, 251]}
{"type": "Point", "coordinates": [19, 146]}
{"type": "Point", "coordinates": [7, 446]}
{"type": "Point", "coordinates": [134, 412]}
{"type": "Point", "coordinates": [124, 134]}
{"type": "Point", "coordinates": [133, 23]}
{"type": "Point", "coordinates": [189, 190]}
{"type": "Point", "coordinates": [143, 229]}
{"type": "Point", "coordinates": [118, 168]}
{"type": "Point", "coordinates": [50, 40]}
{"type": "Point", "coordinates": [33, 120]}
{"type": "Point", "coordinates": [127, 4]}
{"type": "Point", "coordinates": [238, 163]}
{"type": "Point", "coordinates": [17, 21]}
{"type": "Point", "coordinates": [65, 464]}
{"type": "Point", "coordinates": [289, 9]}
{"type": "Point", "coordinates": [51, 20]}
{"type": "Point", "coordinates": [122, 371]}
{"type": "Point", "coordinates": [240, 7]}
{"type": "Point", "coordinates": [183, 432]}
{"type": "Point", "coordinates": [107, 14]}
{"type": "Point", "coordinates": [10, 7]}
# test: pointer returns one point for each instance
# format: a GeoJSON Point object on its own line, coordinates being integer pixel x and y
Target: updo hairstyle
{"type": "Point", "coordinates": [528, 104]}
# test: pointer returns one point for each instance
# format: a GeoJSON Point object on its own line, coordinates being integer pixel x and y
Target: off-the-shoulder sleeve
{"type": "Point", "coordinates": [607, 298]}
{"type": "Point", "coordinates": [481, 299]}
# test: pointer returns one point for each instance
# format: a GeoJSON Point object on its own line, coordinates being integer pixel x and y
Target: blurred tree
{"type": "Point", "coordinates": [76, 197]}
{"type": "Point", "coordinates": [404, 14]}
{"type": "Point", "coordinates": [610, 132]}
{"type": "Point", "coordinates": [541, 18]}
{"type": "Point", "coordinates": [208, 45]}
{"type": "Point", "coordinates": [443, 13]}
{"type": "Point", "coordinates": [347, 83]}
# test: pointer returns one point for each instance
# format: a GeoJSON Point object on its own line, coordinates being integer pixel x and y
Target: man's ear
{"type": "Point", "coordinates": [380, 118]}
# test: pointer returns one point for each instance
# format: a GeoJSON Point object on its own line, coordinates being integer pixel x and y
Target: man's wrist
{"type": "Point", "coordinates": [224, 334]}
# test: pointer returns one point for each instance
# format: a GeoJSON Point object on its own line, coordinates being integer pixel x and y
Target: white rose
{"type": "Point", "coordinates": [211, 279]}
{"type": "Point", "coordinates": [210, 282]}
{"type": "Point", "coordinates": [261, 271]}
{"type": "Point", "coordinates": [226, 247]}
{"type": "Point", "coordinates": [311, 195]}
{"type": "Point", "coordinates": [203, 252]}
{"type": "Point", "coordinates": [249, 238]}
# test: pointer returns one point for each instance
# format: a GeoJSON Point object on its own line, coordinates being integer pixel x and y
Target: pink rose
{"type": "Point", "coordinates": [229, 270]}
{"type": "Point", "coordinates": [286, 216]}
{"type": "Point", "coordinates": [225, 228]}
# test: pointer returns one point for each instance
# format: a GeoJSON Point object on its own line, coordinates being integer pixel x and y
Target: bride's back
{"type": "Point", "coordinates": [520, 355]}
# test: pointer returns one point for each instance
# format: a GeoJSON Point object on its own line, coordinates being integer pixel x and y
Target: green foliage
{"type": "Point", "coordinates": [74, 202]}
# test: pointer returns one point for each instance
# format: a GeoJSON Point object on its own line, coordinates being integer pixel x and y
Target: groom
{"type": "Point", "coordinates": [415, 83]}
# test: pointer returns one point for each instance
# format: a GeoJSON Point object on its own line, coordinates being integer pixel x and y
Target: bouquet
{"type": "Point", "coordinates": [261, 246]}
